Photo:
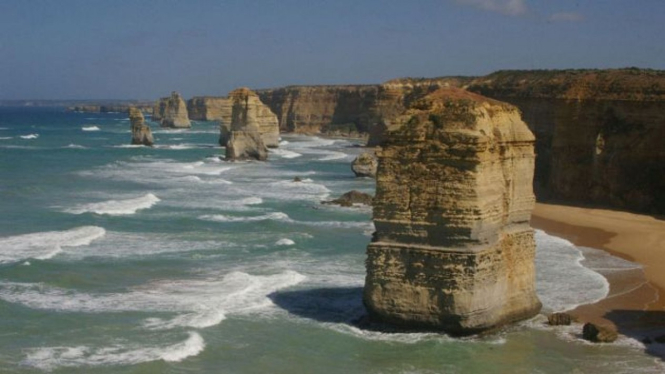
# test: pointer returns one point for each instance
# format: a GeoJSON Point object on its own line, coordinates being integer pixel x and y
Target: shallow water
{"type": "Point", "coordinates": [116, 258]}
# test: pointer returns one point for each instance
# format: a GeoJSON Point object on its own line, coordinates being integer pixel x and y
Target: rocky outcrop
{"type": "Point", "coordinates": [255, 114]}
{"type": "Point", "coordinates": [598, 334]}
{"type": "Point", "coordinates": [598, 133]}
{"type": "Point", "coordinates": [453, 249]}
{"type": "Point", "coordinates": [208, 108]}
{"type": "Point", "coordinates": [365, 165]}
{"type": "Point", "coordinates": [141, 133]}
{"type": "Point", "coordinates": [351, 198]}
{"type": "Point", "coordinates": [245, 137]}
{"type": "Point", "coordinates": [171, 112]}
{"type": "Point", "coordinates": [559, 319]}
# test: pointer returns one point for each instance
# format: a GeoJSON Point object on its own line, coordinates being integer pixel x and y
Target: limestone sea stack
{"type": "Point", "coordinates": [171, 112]}
{"type": "Point", "coordinates": [257, 115]}
{"type": "Point", "coordinates": [245, 138]}
{"type": "Point", "coordinates": [453, 249]}
{"type": "Point", "coordinates": [141, 133]}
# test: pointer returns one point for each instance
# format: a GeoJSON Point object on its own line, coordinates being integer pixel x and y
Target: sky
{"type": "Point", "coordinates": [144, 49]}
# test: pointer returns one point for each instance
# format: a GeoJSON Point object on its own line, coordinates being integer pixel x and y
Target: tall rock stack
{"type": "Point", "coordinates": [171, 112]}
{"type": "Point", "coordinates": [254, 114]}
{"type": "Point", "coordinates": [245, 138]}
{"type": "Point", "coordinates": [453, 249]}
{"type": "Point", "coordinates": [141, 133]}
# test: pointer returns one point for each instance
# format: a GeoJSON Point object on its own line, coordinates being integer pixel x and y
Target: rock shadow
{"type": "Point", "coordinates": [328, 305]}
{"type": "Point", "coordinates": [647, 327]}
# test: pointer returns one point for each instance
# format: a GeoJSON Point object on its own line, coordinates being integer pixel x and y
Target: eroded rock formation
{"type": "Point", "coordinates": [255, 114]}
{"type": "Point", "coordinates": [351, 198]}
{"type": "Point", "coordinates": [141, 133]}
{"type": "Point", "coordinates": [171, 112]}
{"type": "Point", "coordinates": [365, 165]}
{"type": "Point", "coordinates": [453, 249]}
{"type": "Point", "coordinates": [245, 137]}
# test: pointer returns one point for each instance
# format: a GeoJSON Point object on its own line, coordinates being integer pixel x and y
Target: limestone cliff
{"type": "Point", "coordinates": [453, 249]}
{"type": "Point", "coordinates": [208, 108]}
{"type": "Point", "coordinates": [141, 133]}
{"type": "Point", "coordinates": [598, 133]}
{"type": "Point", "coordinates": [245, 138]}
{"type": "Point", "coordinates": [171, 112]}
{"type": "Point", "coordinates": [255, 115]}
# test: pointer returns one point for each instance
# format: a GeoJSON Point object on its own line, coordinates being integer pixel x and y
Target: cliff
{"type": "Point", "coordinates": [171, 112]}
{"type": "Point", "coordinates": [245, 137]}
{"type": "Point", "coordinates": [255, 115]}
{"type": "Point", "coordinates": [208, 108]}
{"type": "Point", "coordinates": [109, 108]}
{"type": "Point", "coordinates": [598, 133]}
{"type": "Point", "coordinates": [453, 249]}
{"type": "Point", "coordinates": [141, 133]}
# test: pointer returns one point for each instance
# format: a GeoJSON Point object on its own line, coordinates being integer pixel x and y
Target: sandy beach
{"type": "Point", "coordinates": [634, 305]}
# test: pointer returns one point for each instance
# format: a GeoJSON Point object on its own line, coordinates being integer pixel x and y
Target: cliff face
{"type": "Point", "coordinates": [599, 133]}
{"type": "Point", "coordinates": [254, 114]}
{"type": "Point", "coordinates": [207, 108]}
{"type": "Point", "coordinates": [171, 112]}
{"type": "Point", "coordinates": [246, 140]}
{"type": "Point", "coordinates": [453, 249]}
{"type": "Point", "coordinates": [315, 109]}
{"type": "Point", "coordinates": [141, 133]}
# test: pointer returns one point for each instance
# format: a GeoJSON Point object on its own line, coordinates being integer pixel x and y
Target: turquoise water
{"type": "Point", "coordinates": [119, 259]}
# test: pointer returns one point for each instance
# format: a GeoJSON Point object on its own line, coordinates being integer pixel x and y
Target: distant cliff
{"type": "Point", "coordinates": [346, 108]}
{"type": "Point", "coordinates": [210, 108]}
{"type": "Point", "coordinates": [110, 108]}
{"type": "Point", "coordinates": [599, 133]}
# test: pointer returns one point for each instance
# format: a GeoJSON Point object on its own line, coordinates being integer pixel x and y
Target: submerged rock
{"type": "Point", "coordinates": [453, 249]}
{"type": "Point", "coordinates": [559, 319]}
{"type": "Point", "coordinates": [365, 165]}
{"type": "Point", "coordinates": [171, 112]}
{"type": "Point", "coordinates": [141, 133]}
{"type": "Point", "coordinates": [350, 198]}
{"type": "Point", "coordinates": [598, 334]}
{"type": "Point", "coordinates": [245, 139]}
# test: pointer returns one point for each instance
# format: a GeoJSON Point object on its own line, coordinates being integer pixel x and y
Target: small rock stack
{"type": "Point", "coordinates": [141, 133]}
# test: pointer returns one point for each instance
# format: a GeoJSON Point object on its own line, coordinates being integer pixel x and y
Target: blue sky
{"type": "Point", "coordinates": [75, 49]}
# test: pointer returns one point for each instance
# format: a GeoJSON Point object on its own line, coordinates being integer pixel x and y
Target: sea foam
{"type": "Point", "coordinates": [117, 207]}
{"type": "Point", "coordinates": [30, 136]}
{"type": "Point", "coordinates": [45, 245]}
{"type": "Point", "coordinates": [90, 128]}
{"type": "Point", "coordinates": [50, 358]}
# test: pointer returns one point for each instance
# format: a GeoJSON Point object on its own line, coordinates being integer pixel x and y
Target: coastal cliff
{"type": "Point", "coordinates": [141, 133]}
{"type": "Point", "coordinates": [245, 140]}
{"type": "Point", "coordinates": [209, 108]}
{"type": "Point", "coordinates": [171, 112]}
{"type": "Point", "coordinates": [598, 133]}
{"type": "Point", "coordinates": [453, 249]}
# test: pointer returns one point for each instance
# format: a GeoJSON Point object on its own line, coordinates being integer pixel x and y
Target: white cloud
{"type": "Point", "coordinates": [507, 7]}
{"type": "Point", "coordinates": [566, 17]}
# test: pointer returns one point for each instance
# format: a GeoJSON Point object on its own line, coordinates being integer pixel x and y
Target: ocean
{"type": "Point", "coordinates": [126, 259]}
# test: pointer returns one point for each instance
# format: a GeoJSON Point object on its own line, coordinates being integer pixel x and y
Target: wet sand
{"type": "Point", "coordinates": [636, 302]}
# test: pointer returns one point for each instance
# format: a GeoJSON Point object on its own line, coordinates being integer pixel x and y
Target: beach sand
{"type": "Point", "coordinates": [636, 302]}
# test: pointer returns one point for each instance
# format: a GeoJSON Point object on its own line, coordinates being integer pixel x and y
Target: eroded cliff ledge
{"type": "Point", "coordinates": [453, 249]}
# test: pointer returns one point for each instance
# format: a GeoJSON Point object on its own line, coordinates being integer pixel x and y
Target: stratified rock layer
{"type": "Point", "coordinates": [246, 141]}
{"type": "Point", "coordinates": [453, 249]}
{"type": "Point", "coordinates": [208, 108]}
{"type": "Point", "coordinates": [255, 115]}
{"type": "Point", "coordinates": [141, 133]}
{"type": "Point", "coordinates": [171, 112]}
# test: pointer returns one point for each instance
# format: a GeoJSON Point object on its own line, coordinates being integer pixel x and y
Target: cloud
{"type": "Point", "coordinates": [566, 17]}
{"type": "Point", "coordinates": [507, 7]}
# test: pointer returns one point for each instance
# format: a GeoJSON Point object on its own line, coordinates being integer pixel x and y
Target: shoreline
{"type": "Point", "coordinates": [635, 304]}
